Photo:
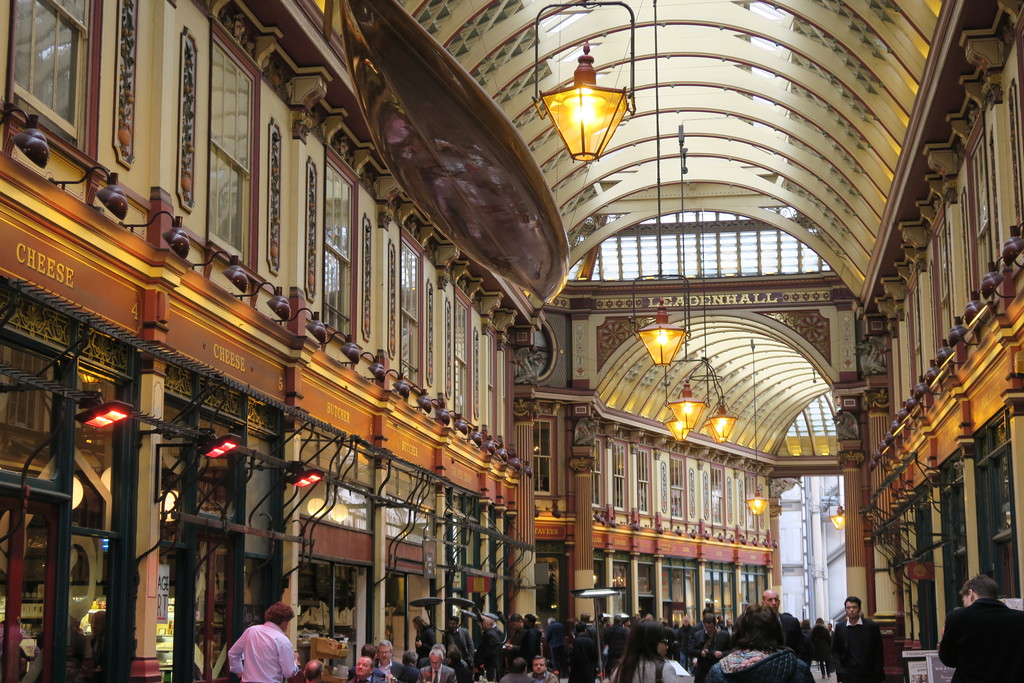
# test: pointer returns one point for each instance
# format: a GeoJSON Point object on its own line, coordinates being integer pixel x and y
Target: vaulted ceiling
{"type": "Point", "coordinates": [800, 104]}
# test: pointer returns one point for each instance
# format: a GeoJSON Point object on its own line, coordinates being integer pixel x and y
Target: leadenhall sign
{"type": "Point", "coordinates": [723, 299]}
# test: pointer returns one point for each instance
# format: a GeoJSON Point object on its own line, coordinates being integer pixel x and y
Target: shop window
{"type": "Point", "coordinates": [50, 60]}
{"type": "Point", "coordinates": [92, 483]}
{"type": "Point", "coordinates": [754, 582]}
{"type": "Point", "coordinates": [410, 311]}
{"type": "Point", "coordinates": [993, 472]}
{"type": "Point", "coordinates": [600, 578]}
{"type": "Point", "coordinates": [645, 579]}
{"type": "Point", "coordinates": [213, 611]}
{"type": "Point", "coordinates": [26, 426]}
{"type": "Point", "coordinates": [954, 526]}
{"type": "Point", "coordinates": [329, 603]}
{"type": "Point", "coordinates": [718, 588]}
{"type": "Point", "coordinates": [231, 107]}
{"type": "Point", "coordinates": [337, 251]}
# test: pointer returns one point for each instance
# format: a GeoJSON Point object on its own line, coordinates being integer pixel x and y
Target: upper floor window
{"type": "Point", "coordinates": [643, 481]}
{"type": "Point", "coordinates": [230, 144]}
{"type": "Point", "coordinates": [597, 491]}
{"type": "Point", "coordinates": [542, 457]}
{"type": "Point", "coordinates": [678, 477]}
{"type": "Point", "coordinates": [337, 246]}
{"type": "Point", "coordinates": [460, 360]}
{"type": "Point", "coordinates": [49, 58]}
{"type": "Point", "coordinates": [409, 304]}
{"type": "Point", "coordinates": [717, 498]}
{"type": "Point", "coordinates": [619, 475]}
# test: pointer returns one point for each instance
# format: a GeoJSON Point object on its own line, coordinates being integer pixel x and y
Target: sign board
{"type": "Point", "coordinates": [163, 592]}
{"type": "Point", "coordinates": [478, 584]}
{"type": "Point", "coordinates": [923, 666]}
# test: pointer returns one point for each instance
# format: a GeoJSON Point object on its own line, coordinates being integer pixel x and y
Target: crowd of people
{"type": "Point", "coordinates": [765, 645]}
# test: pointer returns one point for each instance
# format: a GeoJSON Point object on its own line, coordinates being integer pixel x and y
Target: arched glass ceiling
{"type": "Point", "coordinates": [813, 432]}
{"type": "Point", "coordinates": [795, 114]}
{"type": "Point", "coordinates": [707, 244]}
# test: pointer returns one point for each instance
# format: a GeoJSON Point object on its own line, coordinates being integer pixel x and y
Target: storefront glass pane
{"type": "Point", "coordinates": [211, 630]}
{"type": "Point", "coordinates": [165, 615]}
{"type": "Point", "coordinates": [26, 417]}
{"type": "Point", "coordinates": [91, 496]}
{"type": "Point", "coordinates": [87, 602]}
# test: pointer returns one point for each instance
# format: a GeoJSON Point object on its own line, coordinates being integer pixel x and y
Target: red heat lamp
{"type": "Point", "coordinates": [105, 414]}
{"type": "Point", "coordinates": [214, 448]}
{"type": "Point", "coordinates": [301, 476]}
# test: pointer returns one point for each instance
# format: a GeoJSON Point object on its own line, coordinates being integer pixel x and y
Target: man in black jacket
{"type": "Point", "coordinates": [489, 649]}
{"type": "Point", "coordinates": [615, 639]}
{"type": "Point", "coordinates": [982, 640]}
{"type": "Point", "coordinates": [790, 624]}
{"type": "Point", "coordinates": [857, 647]}
{"type": "Point", "coordinates": [708, 644]}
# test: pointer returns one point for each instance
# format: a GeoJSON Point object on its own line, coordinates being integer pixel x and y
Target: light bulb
{"type": "Point", "coordinates": [77, 492]}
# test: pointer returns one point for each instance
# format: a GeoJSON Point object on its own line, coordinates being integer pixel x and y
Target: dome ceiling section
{"type": "Point", "coordinates": [732, 177]}
{"type": "Point", "coordinates": [787, 380]}
{"type": "Point", "coordinates": [730, 123]}
{"type": "Point", "coordinates": [741, 159]}
{"type": "Point", "coordinates": [633, 211]}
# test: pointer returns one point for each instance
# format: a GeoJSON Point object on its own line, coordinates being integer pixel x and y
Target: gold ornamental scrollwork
{"type": "Point", "coordinates": [581, 464]}
{"type": "Point", "coordinates": [525, 407]}
{"type": "Point", "coordinates": [877, 400]}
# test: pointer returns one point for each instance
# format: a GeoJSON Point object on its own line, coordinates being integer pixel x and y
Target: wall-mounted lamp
{"type": "Point", "coordinates": [215, 447]}
{"type": "Point", "coordinates": [426, 404]}
{"type": "Point", "coordinates": [111, 196]}
{"type": "Point", "coordinates": [176, 236]}
{"type": "Point", "coordinates": [301, 476]}
{"type": "Point", "coordinates": [104, 414]}
{"type": "Point", "coordinates": [278, 302]}
{"type": "Point", "coordinates": [236, 274]}
{"type": "Point", "coordinates": [30, 140]}
{"type": "Point", "coordinates": [323, 334]}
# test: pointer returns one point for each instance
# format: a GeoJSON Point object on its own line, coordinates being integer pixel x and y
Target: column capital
{"type": "Point", "coordinates": [850, 459]}
{"type": "Point", "coordinates": [580, 462]}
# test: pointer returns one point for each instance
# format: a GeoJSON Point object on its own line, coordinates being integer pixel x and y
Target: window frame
{"type": "Point", "coordinates": [247, 250]}
{"type": "Point", "coordinates": [409, 358]}
{"type": "Point", "coordinates": [331, 315]}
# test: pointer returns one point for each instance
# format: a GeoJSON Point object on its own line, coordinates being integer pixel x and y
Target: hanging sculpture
{"type": "Point", "coordinates": [453, 151]}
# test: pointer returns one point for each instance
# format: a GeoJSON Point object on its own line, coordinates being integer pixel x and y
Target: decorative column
{"type": "Point", "coordinates": [774, 517]}
{"type": "Point", "coordinates": [524, 411]}
{"type": "Point", "coordinates": [581, 463]}
{"type": "Point", "coordinates": [145, 667]}
{"type": "Point", "coordinates": [856, 556]}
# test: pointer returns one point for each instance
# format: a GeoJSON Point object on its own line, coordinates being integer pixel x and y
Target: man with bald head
{"type": "Point", "coordinates": [489, 650]}
{"type": "Point", "coordinates": [790, 624]}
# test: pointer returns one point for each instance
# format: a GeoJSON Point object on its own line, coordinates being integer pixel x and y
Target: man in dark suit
{"type": "Point", "coordinates": [583, 658]}
{"type": "Point", "coordinates": [790, 624]}
{"type": "Point", "coordinates": [708, 644]}
{"type": "Point", "coordinates": [436, 671]}
{"type": "Point", "coordinates": [982, 640]}
{"type": "Point", "coordinates": [489, 649]}
{"type": "Point", "coordinates": [857, 647]}
{"type": "Point", "coordinates": [385, 666]}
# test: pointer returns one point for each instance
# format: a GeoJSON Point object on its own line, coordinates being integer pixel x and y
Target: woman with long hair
{"type": "Point", "coordinates": [643, 660]}
{"type": "Point", "coordinates": [759, 653]}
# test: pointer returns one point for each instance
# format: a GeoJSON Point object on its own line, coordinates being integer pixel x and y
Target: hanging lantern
{"type": "Point", "coordinates": [720, 425]}
{"type": "Point", "coordinates": [838, 519]}
{"type": "Point", "coordinates": [661, 339]}
{"type": "Point", "coordinates": [757, 502]}
{"type": "Point", "coordinates": [586, 114]}
{"type": "Point", "coordinates": [686, 408]}
{"type": "Point", "coordinates": [678, 428]}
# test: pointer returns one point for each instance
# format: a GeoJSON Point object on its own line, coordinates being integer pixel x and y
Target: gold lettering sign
{"type": "Point", "coordinates": [229, 357]}
{"type": "Point", "coordinates": [334, 410]}
{"type": "Point", "coordinates": [47, 266]}
{"type": "Point", "coordinates": [410, 449]}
